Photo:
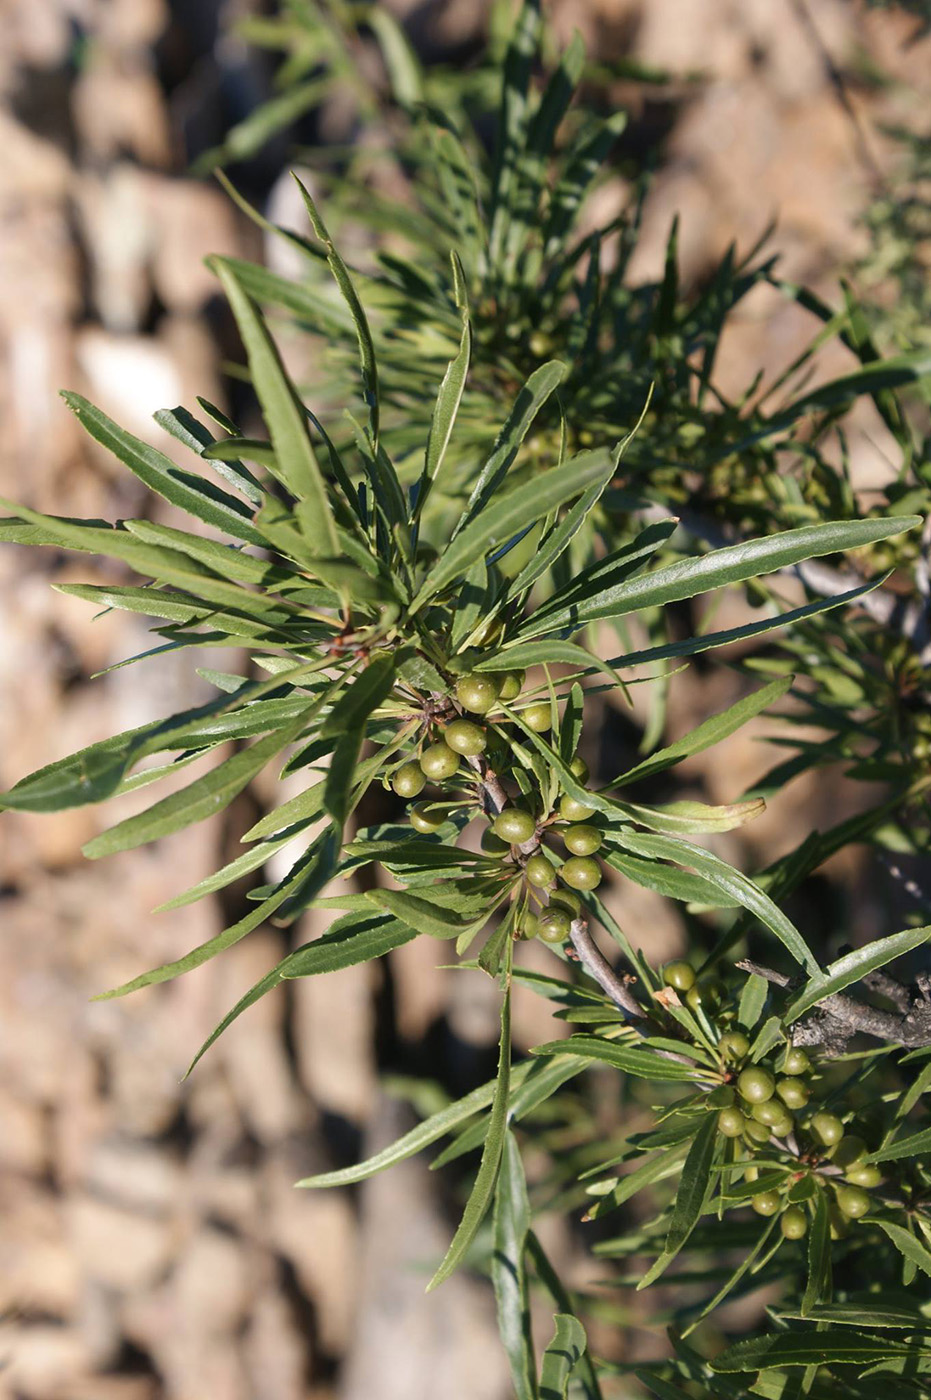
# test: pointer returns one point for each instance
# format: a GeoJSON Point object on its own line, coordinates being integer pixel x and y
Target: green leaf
{"type": "Point", "coordinates": [425, 916]}
{"type": "Point", "coordinates": [752, 1001]}
{"type": "Point", "coordinates": [511, 1223]}
{"type": "Point", "coordinates": [719, 567]}
{"type": "Point", "coordinates": [192, 493]}
{"type": "Point", "coordinates": [483, 1189]}
{"type": "Point", "coordinates": [710, 732]}
{"type": "Point", "coordinates": [693, 818]}
{"type": "Point", "coordinates": [669, 881]}
{"type": "Point", "coordinates": [202, 798]}
{"type": "Point", "coordinates": [905, 1242]}
{"type": "Point", "coordinates": [364, 695]}
{"type": "Point", "coordinates": [586, 1375]}
{"type": "Point", "coordinates": [809, 1348]}
{"type": "Point", "coordinates": [186, 428]}
{"type": "Point", "coordinates": [853, 967]}
{"type": "Point", "coordinates": [511, 513]}
{"type": "Point", "coordinates": [449, 396]}
{"type": "Point", "coordinates": [818, 1285]}
{"type": "Point", "coordinates": [694, 1186]}
{"type": "Point", "coordinates": [550, 652]}
{"type": "Point", "coordinates": [284, 415]}
{"type": "Point", "coordinates": [561, 1357]}
{"type": "Point", "coordinates": [730, 881]}
{"type": "Point", "coordinates": [879, 1313]}
{"type": "Point", "coordinates": [904, 1147]}
{"type": "Point", "coordinates": [633, 1059]}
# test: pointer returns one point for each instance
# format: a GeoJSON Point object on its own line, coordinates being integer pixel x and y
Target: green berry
{"type": "Point", "coordinates": [581, 873]}
{"type": "Point", "coordinates": [511, 684]}
{"type": "Point", "coordinates": [796, 1061]}
{"type": "Point", "coordinates": [424, 820]}
{"type": "Point", "coordinates": [572, 811]}
{"type": "Point", "coordinates": [477, 693]}
{"type": "Point", "coordinates": [827, 1129]}
{"type": "Point", "coordinates": [751, 1174]}
{"type": "Point", "coordinates": [768, 1111]}
{"type": "Point", "coordinates": [783, 1125]}
{"type": "Point", "coordinates": [539, 717]}
{"type": "Point", "coordinates": [757, 1132]}
{"type": "Point", "coordinates": [853, 1202]}
{"type": "Point", "coordinates": [568, 900]}
{"type": "Point", "coordinates": [734, 1045]}
{"type": "Point", "coordinates": [766, 1203]}
{"type": "Point", "coordinates": [539, 872]}
{"type": "Point", "coordinates": [554, 926]}
{"type": "Point", "coordinates": [438, 761]}
{"type": "Point", "coordinates": [849, 1150]}
{"type": "Point", "coordinates": [492, 844]}
{"type": "Point", "coordinates": [409, 780]}
{"type": "Point", "coordinates": [756, 1084]}
{"type": "Point", "coordinates": [464, 737]}
{"type": "Point", "coordinates": [794, 1223]}
{"type": "Point", "coordinates": [794, 1093]}
{"type": "Point", "coordinates": [680, 975]}
{"type": "Point", "coordinates": [839, 1223]}
{"type": "Point", "coordinates": [514, 826]}
{"type": "Point", "coordinates": [705, 994]}
{"type": "Point", "coordinates": [579, 769]}
{"type": "Point", "coordinates": [530, 926]}
{"type": "Point", "coordinates": [582, 840]}
{"type": "Point", "coordinates": [864, 1174]}
{"type": "Point", "coordinates": [731, 1122]}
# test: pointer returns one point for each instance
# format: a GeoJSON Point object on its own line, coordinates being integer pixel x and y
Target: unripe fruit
{"type": "Point", "coordinates": [793, 1092]}
{"type": "Point", "coordinates": [581, 873]}
{"type": "Point", "coordinates": [705, 995]}
{"type": "Point", "coordinates": [424, 820]}
{"type": "Point", "coordinates": [827, 1129]}
{"type": "Point", "coordinates": [864, 1174]}
{"type": "Point", "coordinates": [477, 693]}
{"type": "Point", "coordinates": [839, 1223]}
{"type": "Point", "coordinates": [757, 1132]}
{"type": "Point", "coordinates": [796, 1061]}
{"type": "Point", "coordinates": [849, 1150]}
{"type": "Point", "coordinates": [554, 926]}
{"type": "Point", "coordinates": [572, 811]}
{"type": "Point", "coordinates": [511, 683]}
{"type": "Point", "coordinates": [680, 975]}
{"type": "Point", "coordinates": [852, 1201]}
{"type": "Point", "coordinates": [582, 840]}
{"type": "Point", "coordinates": [492, 844]}
{"type": "Point", "coordinates": [734, 1045]}
{"type": "Point", "coordinates": [514, 826]}
{"type": "Point", "coordinates": [731, 1122]}
{"type": "Point", "coordinates": [756, 1084]}
{"type": "Point", "coordinates": [438, 761]}
{"type": "Point", "coordinates": [579, 769]}
{"type": "Point", "coordinates": [766, 1203]}
{"type": "Point", "coordinates": [539, 872]}
{"type": "Point", "coordinates": [768, 1111]}
{"type": "Point", "coordinates": [568, 900]}
{"type": "Point", "coordinates": [530, 925]}
{"type": "Point", "coordinates": [782, 1125]}
{"type": "Point", "coordinates": [539, 718]}
{"type": "Point", "coordinates": [794, 1223]}
{"type": "Point", "coordinates": [464, 737]}
{"type": "Point", "coordinates": [409, 780]}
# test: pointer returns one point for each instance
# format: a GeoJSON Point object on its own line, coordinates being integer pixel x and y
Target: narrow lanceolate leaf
{"type": "Point", "coordinates": [710, 732]}
{"type": "Point", "coordinates": [853, 967]}
{"type": "Point", "coordinates": [694, 1185]}
{"type": "Point", "coordinates": [448, 398]}
{"type": "Point", "coordinates": [509, 1271]}
{"type": "Point", "coordinates": [285, 416]}
{"type": "Point", "coordinates": [905, 1242]}
{"type": "Point", "coordinates": [527, 654]}
{"type": "Point", "coordinates": [561, 1357]}
{"type": "Point", "coordinates": [349, 941]}
{"type": "Point", "coordinates": [912, 1146]}
{"type": "Point", "coordinates": [365, 694]}
{"type": "Point", "coordinates": [733, 564]}
{"type": "Point", "coordinates": [818, 1284]}
{"type": "Point", "coordinates": [633, 1059]}
{"type": "Point", "coordinates": [192, 493]}
{"type": "Point", "coordinates": [881, 1314]}
{"type": "Point", "coordinates": [538, 388]}
{"type": "Point", "coordinates": [730, 881]}
{"type": "Point", "coordinates": [509, 514]}
{"type": "Point", "coordinates": [809, 1348]}
{"type": "Point", "coordinates": [202, 798]}
{"type": "Point", "coordinates": [483, 1190]}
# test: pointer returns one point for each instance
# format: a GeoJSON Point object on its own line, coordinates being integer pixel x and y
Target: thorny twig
{"type": "Point", "coordinates": [838, 1018]}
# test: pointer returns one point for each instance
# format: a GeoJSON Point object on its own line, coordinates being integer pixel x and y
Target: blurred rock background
{"type": "Point", "coordinates": [151, 1244]}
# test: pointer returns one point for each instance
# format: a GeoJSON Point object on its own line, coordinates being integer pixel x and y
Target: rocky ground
{"type": "Point", "coordinates": [151, 1244]}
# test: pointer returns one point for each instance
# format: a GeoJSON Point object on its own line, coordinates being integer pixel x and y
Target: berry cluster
{"type": "Point", "coordinates": [516, 832]}
{"type": "Point", "coordinates": [769, 1106]}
